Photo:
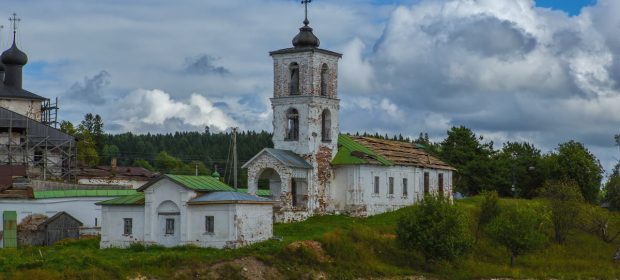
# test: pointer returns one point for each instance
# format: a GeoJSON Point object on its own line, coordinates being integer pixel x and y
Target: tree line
{"type": "Point", "coordinates": [516, 169]}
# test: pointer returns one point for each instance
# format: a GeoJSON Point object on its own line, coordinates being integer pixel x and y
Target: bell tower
{"type": "Point", "coordinates": [305, 101]}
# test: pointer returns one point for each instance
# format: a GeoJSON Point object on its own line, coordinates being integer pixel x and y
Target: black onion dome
{"type": "Point", "coordinates": [14, 56]}
{"type": "Point", "coordinates": [306, 38]}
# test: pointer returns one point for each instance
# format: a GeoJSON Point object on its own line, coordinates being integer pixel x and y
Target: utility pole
{"type": "Point", "coordinates": [234, 135]}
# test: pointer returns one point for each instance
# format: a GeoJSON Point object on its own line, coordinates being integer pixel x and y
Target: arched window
{"type": "Point", "coordinates": [292, 125]}
{"type": "Point", "coordinates": [324, 71]}
{"type": "Point", "coordinates": [294, 84]}
{"type": "Point", "coordinates": [326, 126]}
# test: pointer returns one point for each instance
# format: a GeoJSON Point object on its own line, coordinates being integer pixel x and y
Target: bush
{"type": "Point", "coordinates": [596, 220]}
{"type": "Point", "coordinates": [565, 201]}
{"type": "Point", "coordinates": [436, 228]}
{"type": "Point", "coordinates": [519, 230]}
{"type": "Point", "coordinates": [489, 209]}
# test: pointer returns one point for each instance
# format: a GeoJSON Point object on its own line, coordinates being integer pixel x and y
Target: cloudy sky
{"type": "Point", "coordinates": [544, 71]}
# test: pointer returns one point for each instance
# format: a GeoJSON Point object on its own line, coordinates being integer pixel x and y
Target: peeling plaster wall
{"type": "Point", "coordinates": [253, 223]}
{"type": "Point", "coordinates": [113, 225]}
{"type": "Point", "coordinates": [355, 195]}
{"type": "Point", "coordinates": [28, 108]}
{"type": "Point", "coordinates": [111, 181]}
{"type": "Point", "coordinates": [310, 65]}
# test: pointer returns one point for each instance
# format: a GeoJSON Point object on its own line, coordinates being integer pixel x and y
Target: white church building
{"type": "Point", "coordinates": [313, 169]}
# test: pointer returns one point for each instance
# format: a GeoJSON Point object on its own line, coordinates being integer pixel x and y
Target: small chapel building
{"type": "Point", "coordinates": [313, 169]}
{"type": "Point", "coordinates": [175, 210]}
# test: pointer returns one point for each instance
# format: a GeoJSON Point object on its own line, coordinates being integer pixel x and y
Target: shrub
{"type": "Point", "coordinates": [519, 230]}
{"type": "Point", "coordinates": [565, 201]}
{"type": "Point", "coordinates": [436, 228]}
{"type": "Point", "coordinates": [489, 209]}
{"type": "Point", "coordinates": [596, 220]}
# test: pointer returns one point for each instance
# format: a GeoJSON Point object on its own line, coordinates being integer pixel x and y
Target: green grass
{"type": "Point", "coordinates": [358, 247]}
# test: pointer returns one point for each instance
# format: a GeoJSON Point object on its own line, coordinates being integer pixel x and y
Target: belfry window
{"type": "Point", "coordinates": [324, 71]}
{"type": "Point", "coordinates": [294, 83]}
{"type": "Point", "coordinates": [292, 125]}
{"type": "Point", "coordinates": [326, 126]}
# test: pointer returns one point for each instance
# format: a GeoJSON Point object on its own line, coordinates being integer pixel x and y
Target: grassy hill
{"type": "Point", "coordinates": [345, 248]}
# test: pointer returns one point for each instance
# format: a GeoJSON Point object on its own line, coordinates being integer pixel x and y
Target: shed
{"type": "Point", "coordinates": [59, 227]}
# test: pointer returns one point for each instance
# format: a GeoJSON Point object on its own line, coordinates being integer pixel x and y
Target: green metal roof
{"type": "Point", "coordinates": [258, 192]}
{"type": "Point", "coordinates": [81, 193]}
{"type": "Point", "coordinates": [200, 183]}
{"type": "Point", "coordinates": [346, 146]}
{"type": "Point", "coordinates": [135, 199]}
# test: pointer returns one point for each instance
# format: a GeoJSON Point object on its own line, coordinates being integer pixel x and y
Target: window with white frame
{"type": "Point", "coordinates": [169, 226]}
{"type": "Point", "coordinates": [391, 186]}
{"type": "Point", "coordinates": [405, 190]}
{"type": "Point", "coordinates": [127, 226]}
{"type": "Point", "coordinates": [209, 224]}
{"type": "Point", "coordinates": [376, 187]}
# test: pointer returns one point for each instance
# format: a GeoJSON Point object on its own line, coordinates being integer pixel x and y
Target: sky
{"type": "Point", "coordinates": [545, 71]}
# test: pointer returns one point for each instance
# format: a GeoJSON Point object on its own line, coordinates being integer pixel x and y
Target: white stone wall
{"type": "Point", "coordinates": [354, 191]}
{"type": "Point", "coordinates": [28, 108]}
{"type": "Point", "coordinates": [112, 181]}
{"type": "Point", "coordinates": [224, 228]}
{"type": "Point", "coordinates": [155, 195]}
{"type": "Point", "coordinates": [113, 225]}
{"type": "Point", "coordinates": [253, 223]}
{"type": "Point", "coordinates": [82, 208]}
{"type": "Point", "coordinates": [310, 65]}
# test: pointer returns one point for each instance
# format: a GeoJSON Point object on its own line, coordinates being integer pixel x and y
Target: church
{"type": "Point", "coordinates": [313, 169]}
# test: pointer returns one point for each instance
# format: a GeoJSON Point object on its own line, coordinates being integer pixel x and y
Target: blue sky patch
{"type": "Point", "coordinates": [572, 7]}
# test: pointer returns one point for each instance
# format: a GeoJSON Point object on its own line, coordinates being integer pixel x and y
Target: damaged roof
{"type": "Point", "coordinates": [356, 150]}
{"type": "Point", "coordinates": [81, 193]}
{"type": "Point", "coordinates": [120, 172]}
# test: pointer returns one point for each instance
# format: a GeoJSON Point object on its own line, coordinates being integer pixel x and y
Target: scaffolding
{"type": "Point", "coordinates": [49, 113]}
{"type": "Point", "coordinates": [47, 152]}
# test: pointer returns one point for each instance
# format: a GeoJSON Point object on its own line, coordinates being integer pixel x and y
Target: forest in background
{"type": "Point", "coordinates": [516, 169]}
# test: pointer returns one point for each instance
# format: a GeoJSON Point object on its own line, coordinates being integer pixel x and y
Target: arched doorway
{"type": "Point", "coordinates": [269, 179]}
{"type": "Point", "coordinates": [169, 229]}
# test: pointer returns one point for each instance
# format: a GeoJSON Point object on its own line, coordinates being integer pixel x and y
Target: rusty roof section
{"type": "Point", "coordinates": [121, 172]}
{"type": "Point", "coordinates": [401, 153]}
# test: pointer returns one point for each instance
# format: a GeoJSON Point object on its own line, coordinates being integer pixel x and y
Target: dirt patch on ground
{"type": "Point", "coordinates": [243, 268]}
{"type": "Point", "coordinates": [314, 247]}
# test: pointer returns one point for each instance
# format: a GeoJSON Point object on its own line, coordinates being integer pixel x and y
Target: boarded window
{"type": "Point", "coordinates": [426, 183]}
{"type": "Point", "coordinates": [324, 72]}
{"type": "Point", "coordinates": [405, 190]}
{"type": "Point", "coordinates": [128, 226]}
{"type": "Point", "coordinates": [169, 226]}
{"type": "Point", "coordinates": [292, 125]}
{"type": "Point", "coordinates": [209, 224]}
{"type": "Point", "coordinates": [391, 185]}
{"type": "Point", "coordinates": [326, 126]}
{"type": "Point", "coordinates": [294, 85]}
{"type": "Point", "coordinates": [440, 182]}
{"type": "Point", "coordinates": [376, 191]}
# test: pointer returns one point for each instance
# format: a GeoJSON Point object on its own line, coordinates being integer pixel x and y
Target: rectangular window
{"type": "Point", "coordinates": [426, 183]}
{"type": "Point", "coordinates": [440, 182]}
{"type": "Point", "coordinates": [405, 191]}
{"type": "Point", "coordinates": [376, 184]}
{"type": "Point", "coordinates": [169, 226]}
{"type": "Point", "coordinates": [128, 224]}
{"type": "Point", "coordinates": [209, 224]}
{"type": "Point", "coordinates": [391, 185]}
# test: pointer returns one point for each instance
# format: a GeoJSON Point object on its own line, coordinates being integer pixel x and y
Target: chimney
{"type": "Point", "coordinates": [113, 164]}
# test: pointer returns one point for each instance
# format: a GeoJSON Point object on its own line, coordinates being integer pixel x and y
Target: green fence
{"type": "Point", "coordinates": [9, 220]}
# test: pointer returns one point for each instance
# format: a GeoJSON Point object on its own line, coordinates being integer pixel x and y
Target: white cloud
{"type": "Point", "coordinates": [155, 107]}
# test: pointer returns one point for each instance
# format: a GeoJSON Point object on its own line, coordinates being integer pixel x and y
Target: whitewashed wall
{"type": "Point", "coordinates": [224, 227]}
{"type": "Point", "coordinates": [254, 223]}
{"type": "Point", "coordinates": [29, 108]}
{"type": "Point", "coordinates": [155, 195]}
{"type": "Point", "coordinates": [116, 182]}
{"type": "Point", "coordinates": [354, 188]}
{"type": "Point", "coordinates": [113, 225]}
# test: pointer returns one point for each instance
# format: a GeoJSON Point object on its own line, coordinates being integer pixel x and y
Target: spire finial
{"type": "Point", "coordinates": [14, 20]}
{"type": "Point", "coordinates": [306, 2]}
